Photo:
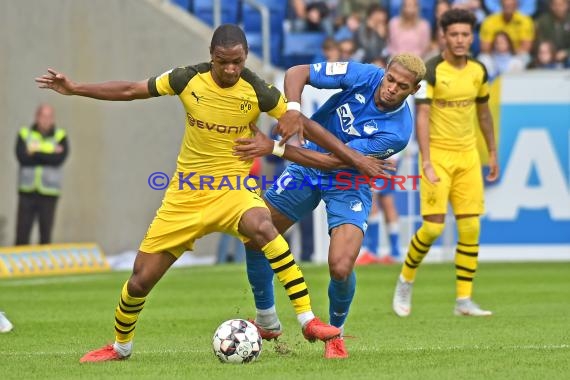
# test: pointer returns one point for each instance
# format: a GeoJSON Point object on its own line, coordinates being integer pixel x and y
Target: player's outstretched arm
{"type": "Point", "coordinates": [115, 90]}
{"type": "Point", "coordinates": [261, 145]}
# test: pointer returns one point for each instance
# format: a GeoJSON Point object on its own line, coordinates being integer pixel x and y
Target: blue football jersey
{"type": "Point", "coordinates": [352, 115]}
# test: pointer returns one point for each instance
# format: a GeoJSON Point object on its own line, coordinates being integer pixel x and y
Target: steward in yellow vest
{"type": "Point", "coordinates": [41, 150]}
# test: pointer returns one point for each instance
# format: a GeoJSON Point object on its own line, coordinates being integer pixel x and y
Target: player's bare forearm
{"type": "Point", "coordinates": [486, 125]}
{"type": "Point", "coordinates": [344, 156]}
{"type": "Point", "coordinates": [326, 140]}
{"type": "Point", "coordinates": [295, 80]}
{"type": "Point", "coordinates": [260, 145]}
{"type": "Point", "coordinates": [312, 159]}
{"type": "Point", "coordinates": [115, 90]}
{"type": "Point", "coordinates": [422, 131]}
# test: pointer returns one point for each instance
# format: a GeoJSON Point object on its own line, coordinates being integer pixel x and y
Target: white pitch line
{"type": "Point", "coordinates": [546, 347]}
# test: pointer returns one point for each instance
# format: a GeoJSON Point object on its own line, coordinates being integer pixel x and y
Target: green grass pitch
{"type": "Point", "coordinates": [59, 319]}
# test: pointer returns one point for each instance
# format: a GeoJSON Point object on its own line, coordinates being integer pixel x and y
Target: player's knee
{"type": "Point", "coordinates": [433, 230]}
{"type": "Point", "coordinates": [468, 228]}
{"type": "Point", "coordinates": [340, 269]}
{"type": "Point", "coordinates": [264, 232]}
{"type": "Point", "coordinates": [138, 287]}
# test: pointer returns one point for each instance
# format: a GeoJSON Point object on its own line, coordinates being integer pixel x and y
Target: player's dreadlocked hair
{"type": "Point", "coordinates": [228, 35]}
{"type": "Point", "coordinates": [457, 16]}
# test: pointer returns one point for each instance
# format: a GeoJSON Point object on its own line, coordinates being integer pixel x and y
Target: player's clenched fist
{"type": "Point", "coordinates": [289, 124]}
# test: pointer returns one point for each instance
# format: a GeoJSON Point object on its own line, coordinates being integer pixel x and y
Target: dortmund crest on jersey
{"type": "Point", "coordinates": [245, 106]}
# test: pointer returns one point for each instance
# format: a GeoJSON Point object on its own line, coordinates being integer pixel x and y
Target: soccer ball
{"type": "Point", "coordinates": [237, 341]}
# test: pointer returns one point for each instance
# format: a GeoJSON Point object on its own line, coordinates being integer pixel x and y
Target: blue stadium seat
{"type": "Point", "coordinates": [204, 10]}
{"type": "Point", "coordinates": [184, 4]}
{"type": "Point", "coordinates": [301, 48]}
{"type": "Point", "coordinates": [251, 19]}
{"type": "Point", "coordinates": [254, 40]}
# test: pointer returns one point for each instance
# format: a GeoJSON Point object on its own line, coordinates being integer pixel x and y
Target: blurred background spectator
{"type": "Point", "coordinates": [360, 7]}
{"type": "Point", "coordinates": [330, 52]}
{"type": "Point", "coordinates": [348, 28]}
{"type": "Point", "coordinates": [372, 36]}
{"type": "Point", "coordinates": [349, 52]}
{"type": "Point", "coordinates": [502, 58]}
{"type": "Point", "coordinates": [554, 26]}
{"type": "Point", "coordinates": [517, 25]}
{"type": "Point", "coordinates": [408, 32]}
{"type": "Point", "coordinates": [545, 57]}
{"type": "Point", "coordinates": [314, 15]}
{"type": "Point", "coordinates": [526, 7]}
{"type": "Point", "coordinates": [379, 61]}
{"type": "Point", "coordinates": [474, 6]}
{"type": "Point", "coordinates": [437, 42]}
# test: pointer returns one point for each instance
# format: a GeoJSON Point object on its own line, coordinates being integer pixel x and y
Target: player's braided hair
{"type": "Point", "coordinates": [228, 35]}
{"type": "Point", "coordinates": [457, 16]}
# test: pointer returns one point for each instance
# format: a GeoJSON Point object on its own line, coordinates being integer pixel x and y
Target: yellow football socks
{"type": "Point", "coordinates": [288, 272]}
{"type": "Point", "coordinates": [419, 247]}
{"type": "Point", "coordinates": [466, 254]}
{"type": "Point", "coordinates": [126, 315]}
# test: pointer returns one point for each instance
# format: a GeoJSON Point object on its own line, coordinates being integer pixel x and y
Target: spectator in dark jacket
{"type": "Point", "coordinates": [555, 26]}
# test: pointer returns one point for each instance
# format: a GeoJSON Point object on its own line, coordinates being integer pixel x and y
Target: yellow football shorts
{"type": "Point", "coordinates": [461, 183]}
{"type": "Point", "coordinates": [187, 215]}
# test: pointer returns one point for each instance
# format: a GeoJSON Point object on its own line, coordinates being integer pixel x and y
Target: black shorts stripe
{"type": "Point", "coordinates": [463, 278]}
{"type": "Point", "coordinates": [465, 269]}
{"type": "Point", "coordinates": [299, 294]}
{"type": "Point", "coordinates": [421, 242]}
{"type": "Point", "coordinates": [412, 266]}
{"type": "Point", "coordinates": [294, 282]}
{"type": "Point", "coordinates": [280, 257]}
{"type": "Point", "coordinates": [136, 311]}
{"type": "Point", "coordinates": [123, 331]}
{"type": "Point", "coordinates": [471, 254]}
{"type": "Point", "coordinates": [129, 305]}
{"type": "Point", "coordinates": [422, 251]}
{"type": "Point", "coordinates": [124, 324]}
{"type": "Point", "coordinates": [284, 266]}
{"type": "Point", "coordinates": [467, 245]}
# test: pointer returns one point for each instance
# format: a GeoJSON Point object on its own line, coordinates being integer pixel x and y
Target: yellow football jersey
{"type": "Point", "coordinates": [453, 94]}
{"type": "Point", "coordinates": [520, 28]}
{"type": "Point", "coordinates": [215, 117]}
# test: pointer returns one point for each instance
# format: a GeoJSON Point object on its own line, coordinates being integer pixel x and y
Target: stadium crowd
{"type": "Point", "coordinates": [511, 35]}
